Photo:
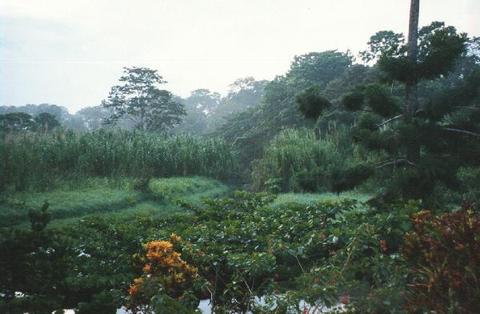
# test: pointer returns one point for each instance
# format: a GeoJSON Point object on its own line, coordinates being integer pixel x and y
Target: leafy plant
{"type": "Point", "coordinates": [164, 273]}
{"type": "Point", "coordinates": [443, 253]}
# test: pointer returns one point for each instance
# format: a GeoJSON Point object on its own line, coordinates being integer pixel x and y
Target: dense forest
{"type": "Point", "coordinates": [348, 184]}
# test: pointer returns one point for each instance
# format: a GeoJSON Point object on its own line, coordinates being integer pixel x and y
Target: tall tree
{"type": "Point", "coordinates": [16, 122]}
{"type": "Point", "coordinates": [46, 122]}
{"type": "Point", "coordinates": [201, 107]}
{"type": "Point", "coordinates": [244, 93]}
{"type": "Point", "coordinates": [411, 95]}
{"type": "Point", "coordinates": [421, 142]}
{"type": "Point", "coordinates": [140, 99]}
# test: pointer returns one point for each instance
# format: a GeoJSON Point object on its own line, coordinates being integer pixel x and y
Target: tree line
{"type": "Point", "coordinates": [409, 108]}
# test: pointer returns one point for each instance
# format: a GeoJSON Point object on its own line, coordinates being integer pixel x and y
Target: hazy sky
{"type": "Point", "coordinates": [70, 52]}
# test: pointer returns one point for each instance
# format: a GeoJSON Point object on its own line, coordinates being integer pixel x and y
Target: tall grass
{"type": "Point", "coordinates": [188, 189]}
{"type": "Point", "coordinates": [29, 159]}
{"type": "Point", "coordinates": [298, 161]}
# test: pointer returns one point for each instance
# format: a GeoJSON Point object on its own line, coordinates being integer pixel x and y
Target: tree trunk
{"type": "Point", "coordinates": [411, 88]}
{"type": "Point", "coordinates": [411, 98]}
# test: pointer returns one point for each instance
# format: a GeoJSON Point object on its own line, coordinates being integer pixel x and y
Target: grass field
{"type": "Point", "coordinates": [116, 198]}
{"type": "Point", "coordinates": [71, 201]}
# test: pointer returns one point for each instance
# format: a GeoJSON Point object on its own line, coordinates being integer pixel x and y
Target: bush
{"type": "Point", "coordinates": [296, 160]}
{"type": "Point", "coordinates": [444, 254]}
{"type": "Point", "coordinates": [164, 273]}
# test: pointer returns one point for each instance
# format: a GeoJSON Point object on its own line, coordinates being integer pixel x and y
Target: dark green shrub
{"type": "Point", "coordinates": [444, 254]}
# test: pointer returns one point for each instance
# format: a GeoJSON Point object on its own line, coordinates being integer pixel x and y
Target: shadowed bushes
{"type": "Point", "coordinates": [296, 160]}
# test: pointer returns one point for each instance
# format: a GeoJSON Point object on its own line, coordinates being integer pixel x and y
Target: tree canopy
{"type": "Point", "coordinates": [140, 99]}
{"type": "Point", "coordinates": [418, 151]}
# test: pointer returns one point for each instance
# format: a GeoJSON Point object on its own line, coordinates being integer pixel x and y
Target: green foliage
{"type": "Point", "coordinates": [207, 111]}
{"type": "Point", "coordinates": [353, 101]}
{"type": "Point", "coordinates": [16, 122]}
{"type": "Point", "coordinates": [319, 67]}
{"type": "Point", "coordinates": [368, 121]}
{"type": "Point", "coordinates": [439, 48]}
{"type": "Point", "coordinates": [311, 103]}
{"type": "Point", "coordinates": [251, 130]}
{"type": "Point", "coordinates": [140, 99]}
{"type": "Point", "coordinates": [320, 253]}
{"type": "Point", "coordinates": [40, 160]}
{"type": "Point", "coordinates": [39, 219]}
{"type": "Point", "coordinates": [314, 198]}
{"type": "Point", "coordinates": [33, 268]}
{"type": "Point", "coordinates": [384, 43]}
{"type": "Point", "coordinates": [245, 93]}
{"type": "Point", "coordinates": [46, 122]}
{"type": "Point", "coordinates": [470, 192]}
{"type": "Point", "coordinates": [74, 200]}
{"type": "Point", "coordinates": [422, 148]}
{"type": "Point", "coordinates": [187, 189]}
{"type": "Point", "coordinates": [201, 107]}
{"type": "Point", "coordinates": [111, 194]}
{"type": "Point", "coordinates": [347, 179]}
{"type": "Point", "coordinates": [380, 101]}
{"type": "Point", "coordinates": [301, 162]}
{"type": "Point", "coordinates": [79, 199]}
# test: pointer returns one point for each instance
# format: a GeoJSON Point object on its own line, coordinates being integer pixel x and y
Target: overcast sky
{"type": "Point", "coordinates": [71, 52]}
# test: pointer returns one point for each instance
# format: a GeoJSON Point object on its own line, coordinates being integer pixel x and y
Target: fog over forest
{"type": "Point", "coordinates": [71, 53]}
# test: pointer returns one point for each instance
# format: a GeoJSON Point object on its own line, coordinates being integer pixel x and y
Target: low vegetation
{"type": "Point", "coordinates": [112, 197]}
{"type": "Point", "coordinates": [236, 250]}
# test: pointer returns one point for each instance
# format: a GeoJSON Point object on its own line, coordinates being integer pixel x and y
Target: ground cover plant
{"type": "Point", "coordinates": [73, 200]}
{"type": "Point", "coordinates": [295, 257]}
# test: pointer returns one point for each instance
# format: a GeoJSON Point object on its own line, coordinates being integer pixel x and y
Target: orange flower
{"type": "Point", "coordinates": [165, 264]}
{"type": "Point", "coordinates": [137, 283]}
{"type": "Point", "coordinates": [147, 268]}
{"type": "Point", "coordinates": [175, 238]}
{"type": "Point", "coordinates": [159, 246]}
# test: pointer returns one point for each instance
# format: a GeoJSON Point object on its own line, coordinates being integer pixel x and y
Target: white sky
{"type": "Point", "coordinates": [70, 52]}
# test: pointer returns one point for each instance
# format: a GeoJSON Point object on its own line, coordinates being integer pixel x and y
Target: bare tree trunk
{"type": "Point", "coordinates": [411, 88]}
{"type": "Point", "coordinates": [411, 97]}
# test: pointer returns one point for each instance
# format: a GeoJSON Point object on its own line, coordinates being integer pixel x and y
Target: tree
{"type": "Point", "coordinates": [411, 95]}
{"type": "Point", "coordinates": [245, 93]}
{"type": "Point", "coordinates": [46, 122]}
{"type": "Point", "coordinates": [201, 108]}
{"type": "Point", "coordinates": [250, 130]}
{"type": "Point", "coordinates": [421, 118]}
{"type": "Point", "coordinates": [33, 267]}
{"type": "Point", "coordinates": [92, 118]}
{"type": "Point", "coordinates": [140, 99]}
{"type": "Point", "coordinates": [319, 67]}
{"type": "Point", "coordinates": [427, 141]}
{"type": "Point", "coordinates": [16, 121]}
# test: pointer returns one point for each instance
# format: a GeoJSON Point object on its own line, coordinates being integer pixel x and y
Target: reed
{"type": "Point", "coordinates": [38, 160]}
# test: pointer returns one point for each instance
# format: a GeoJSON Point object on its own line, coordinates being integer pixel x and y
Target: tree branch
{"type": "Point", "coordinates": [389, 120]}
{"type": "Point", "coordinates": [462, 131]}
{"type": "Point", "coordinates": [395, 162]}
